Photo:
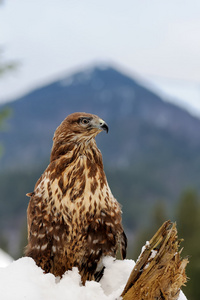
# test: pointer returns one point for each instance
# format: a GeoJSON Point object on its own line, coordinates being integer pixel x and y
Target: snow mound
{"type": "Point", "coordinates": [5, 259]}
{"type": "Point", "coordinates": [22, 279]}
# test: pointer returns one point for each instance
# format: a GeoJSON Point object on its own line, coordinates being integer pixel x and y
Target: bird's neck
{"type": "Point", "coordinates": [60, 149]}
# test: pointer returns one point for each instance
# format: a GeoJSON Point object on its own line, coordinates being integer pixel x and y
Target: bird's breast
{"type": "Point", "coordinates": [83, 191]}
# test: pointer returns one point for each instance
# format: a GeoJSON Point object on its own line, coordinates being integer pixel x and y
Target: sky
{"type": "Point", "coordinates": [156, 40]}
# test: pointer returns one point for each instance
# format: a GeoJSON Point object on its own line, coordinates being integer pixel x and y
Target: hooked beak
{"type": "Point", "coordinates": [103, 125]}
{"type": "Point", "coordinates": [99, 124]}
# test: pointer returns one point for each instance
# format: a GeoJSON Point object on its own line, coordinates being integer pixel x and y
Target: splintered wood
{"type": "Point", "coordinates": [159, 272]}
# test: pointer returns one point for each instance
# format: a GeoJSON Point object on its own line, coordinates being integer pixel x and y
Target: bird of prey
{"type": "Point", "coordinates": [73, 218]}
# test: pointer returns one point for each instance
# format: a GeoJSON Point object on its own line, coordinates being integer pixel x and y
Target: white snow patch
{"type": "Point", "coordinates": [182, 296]}
{"type": "Point", "coordinates": [142, 250]}
{"type": "Point", "coordinates": [153, 254]}
{"type": "Point", "coordinates": [5, 259]}
{"type": "Point", "coordinates": [116, 274]}
{"type": "Point", "coordinates": [67, 81]}
{"type": "Point", "coordinates": [22, 279]}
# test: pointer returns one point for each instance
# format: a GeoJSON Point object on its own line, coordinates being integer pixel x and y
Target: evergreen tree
{"type": "Point", "coordinates": [4, 113]}
{"type": "Point", "coordinates": [157, 219]}
{"type": "Point", "coordinates": [188, 224]}
{"type": "Point", "coordinates": [3, 242]}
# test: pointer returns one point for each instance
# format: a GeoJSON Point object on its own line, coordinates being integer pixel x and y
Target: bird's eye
{"type": "Point", "coordinates": [84, 121]}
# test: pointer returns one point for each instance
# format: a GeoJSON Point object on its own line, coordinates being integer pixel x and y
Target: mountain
{"type": "Point", "coordinates": [107, 92]}
{"type": "Point", "coordinates": [151, 151]}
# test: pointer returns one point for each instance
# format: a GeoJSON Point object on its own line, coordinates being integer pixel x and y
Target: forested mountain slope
{"type": "Point", "coordinates": [151, 151]}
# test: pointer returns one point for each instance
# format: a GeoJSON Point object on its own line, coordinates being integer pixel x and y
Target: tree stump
{"type": "Point", "coordinates": [159, 271]}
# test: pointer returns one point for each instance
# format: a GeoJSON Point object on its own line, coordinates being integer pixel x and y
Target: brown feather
{"type": "Point", "coordinates": [73, 218]}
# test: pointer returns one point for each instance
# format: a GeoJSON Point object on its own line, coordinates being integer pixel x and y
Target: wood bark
{"type": "Point", "coordinates": [159, 271]}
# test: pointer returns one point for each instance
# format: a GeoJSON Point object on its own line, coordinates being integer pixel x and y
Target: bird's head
{"type": "Point", "coordinates": [80, 127]}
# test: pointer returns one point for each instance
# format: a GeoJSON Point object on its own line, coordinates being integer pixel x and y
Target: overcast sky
{"type": "Point", "coordinates": [157, 39]}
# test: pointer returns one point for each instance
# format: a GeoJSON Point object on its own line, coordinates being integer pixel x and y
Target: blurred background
{"type": "Point", "coordinates": [136, 64]}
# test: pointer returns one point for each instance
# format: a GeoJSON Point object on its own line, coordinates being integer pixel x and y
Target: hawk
{"type": "Point", "coordinates": [73, 218]}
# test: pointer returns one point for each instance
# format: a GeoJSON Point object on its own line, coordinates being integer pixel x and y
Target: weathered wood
{"type": "Point", "coordinates": [159, 271]}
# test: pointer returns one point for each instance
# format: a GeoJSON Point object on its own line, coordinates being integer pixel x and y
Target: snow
{"type": "Point", "coordinates": [22, 279]}
{"type": "Point", "coordinates": [5, 259]}
{"type": "Point", "coordinates": [77, 78]}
